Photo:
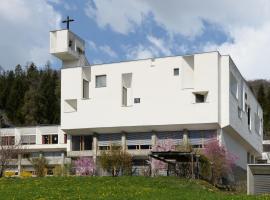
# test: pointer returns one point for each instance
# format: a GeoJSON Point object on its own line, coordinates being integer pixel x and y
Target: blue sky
{"type": "Point", "coordinates": [117, 30]}
{"type": "Point", "coordinates": [107, 45]}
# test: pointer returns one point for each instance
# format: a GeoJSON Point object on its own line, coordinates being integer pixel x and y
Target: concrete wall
{"type": "Point", "coordinates": [165, 99]}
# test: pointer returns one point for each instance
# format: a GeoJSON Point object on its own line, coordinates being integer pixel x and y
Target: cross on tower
{"type": "Point", "coordinates": [67, 21]}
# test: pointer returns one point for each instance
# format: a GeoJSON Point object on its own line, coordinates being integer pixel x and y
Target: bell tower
{"type": "Point", "coordinates": [68, 47]}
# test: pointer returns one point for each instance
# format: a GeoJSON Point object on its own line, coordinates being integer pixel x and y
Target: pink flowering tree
{"type": "Point", "coordinates": [85, 166]}
{"type": "Point", "coordinates": [221, 160]}
{"type": "Point", "coordinates": [161, 146]}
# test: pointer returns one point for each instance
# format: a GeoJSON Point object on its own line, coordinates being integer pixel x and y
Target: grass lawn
{"type": "Point", "coordinates": [165, 188]}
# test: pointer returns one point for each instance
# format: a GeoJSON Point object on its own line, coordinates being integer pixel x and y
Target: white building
{"type": "Point", "coordinates": [136, 103]}
{"type": "Point", "coordinates": [47, 141]}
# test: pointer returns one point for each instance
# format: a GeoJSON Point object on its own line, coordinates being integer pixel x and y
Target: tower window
{"type": "Point", "coordinates": [176, 71]}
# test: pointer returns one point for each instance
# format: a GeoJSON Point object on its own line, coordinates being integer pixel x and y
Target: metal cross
{"type": "Point", "coordinates": [67, 21]}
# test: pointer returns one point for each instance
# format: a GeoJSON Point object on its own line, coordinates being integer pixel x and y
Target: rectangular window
{"type": "Point", "coordinates": [233, 85]}
{"type": "Point", "coordinates": [50, 139]}
{"type": "Point", "coordinates": [239, 112]}
{"type": "Point", "coordinates": [28, 139]}
{"type": "Point", "coordinates": [124, 96]}
{"type": "Point", "coordinates": [82, 143]}
{"type": "Point", "coordinates": [137, 100]}
{"type": "Point", "coordinates": [7, 140]}
{"type": "Point", "coordinates": [65, 138]}
{"type": "Point", "coordinates": [85, 89]}
{"type": "Point", "coordinates": [248, 157]}
{"type": "Point", "coordinates": [249, 118]}
{"type": "Point", "coordinates": [101, 81]}
{"type": "Point", "coordinates": [176, 71]}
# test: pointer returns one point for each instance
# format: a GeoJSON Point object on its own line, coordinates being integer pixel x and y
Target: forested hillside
{"type": "Point", "coordinates": [29, 96]}
{"type": "Point", "coordinates": [261, 89]}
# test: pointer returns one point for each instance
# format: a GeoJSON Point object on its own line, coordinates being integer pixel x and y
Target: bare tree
{"type": "Point", "coordinates": [9, 153]}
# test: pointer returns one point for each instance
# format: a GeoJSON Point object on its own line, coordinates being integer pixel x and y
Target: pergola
{"type": "Point", "coordinates": [172, 158]}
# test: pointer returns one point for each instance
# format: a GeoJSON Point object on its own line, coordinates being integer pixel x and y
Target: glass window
{"type": "Point", "coordinates": [124, 96]}
{"type": "Point", "coordinates": [82, 143]}
{"type": "Point", "coordinates": [50, 139]}
{"type": "Point", "coordinates": [28, 139]}
{"type": "Point", "coordinates": [199, 98]}
{"type": "Point", "coordinates": [176, 71]}
{"type": "Point", "coordinates": [85, 89]}
{"type": "Point", "coordinates": [101, 81]}
{"type": "Point", "coordinates": [233, 85]}
{"type": "Point", "coordinates": [8, 140]}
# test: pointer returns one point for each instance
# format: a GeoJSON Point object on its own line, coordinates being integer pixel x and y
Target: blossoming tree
{"type": "Point", "coordinates": [161, 146]}
{"type": "Point", "coordinates": [222, 161]}
{"type": "Point", "coordinates": [85, 166]}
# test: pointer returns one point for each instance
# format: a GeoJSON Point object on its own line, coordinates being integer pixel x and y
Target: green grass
{"type": "Point", "coordinates": [126, 188]}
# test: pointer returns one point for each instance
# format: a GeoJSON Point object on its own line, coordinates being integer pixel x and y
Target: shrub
{"type": "Point", "coordinates": [58, 170]}
{"type": "Point", "coordinates": [26, 174]}
{"type": "Point", "coordinates": [9, 173]}
{"type": "Point", "coordinates": [116, 161]}
{"type": "Point", "coordinates": [84, 166]}
{"type": "Point", "coordinates": [40, 165]}
{"type": "Point", "coordinates": [220, 159]}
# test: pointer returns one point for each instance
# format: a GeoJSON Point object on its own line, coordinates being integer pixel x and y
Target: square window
{"type": "Point", "coordinates": [199, 98]}
{"type": "Point", "coordinates": [101, 81]}
{"type": "Point", "coordinates": [137, 100]}
{"type": "Point", "coordinates": [176, 71]}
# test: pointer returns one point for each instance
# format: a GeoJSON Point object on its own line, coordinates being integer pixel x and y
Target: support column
{"type": "Point", "coordinates": [185, 137]}
{"type": "Point", "coordinates": [95, 146]}
{"type": "Point", "coordinates": [19, 164]}
{"type": "Point", "coordinates": [154, 142]}
{"type": "Point", "coordinates": [154, 138]}
{"type": "Point", "coordinates": [123, 140]}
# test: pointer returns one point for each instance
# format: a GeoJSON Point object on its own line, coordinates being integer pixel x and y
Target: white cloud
{"type": "Point", "coordinates": [119, 15]}
{"type": "Point", "coordinates": [246, 22]}
{"type": "Point", "coordinates": [250, 51]}
{"type": "Point", "coordinates": [25, 26]}
{"type": "Point", "coordinates": [160, 45]}
{"type": "Point", "coordinates": [139, 52]}
{"type": "Point", "coordinates": [108, 50]}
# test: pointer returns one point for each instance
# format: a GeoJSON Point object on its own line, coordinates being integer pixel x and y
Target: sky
{"type": "Point", "coordinates": [119, 30]}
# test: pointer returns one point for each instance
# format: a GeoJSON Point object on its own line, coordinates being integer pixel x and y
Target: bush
{"type": "Point", "coordinates": [116, 161]}
{"type": "Point", "coordinates": [26, 174]}
{"type": "Point", "coordinates": [221, 161]}
{"type": "Point", "coordinates": [40, 165]}
{"type": "Point", "coordinates": [58, 170]}
{"type": "Point", "coordinates": [9, 173]}
{"type": "Point", "coordinates": [84, 166]}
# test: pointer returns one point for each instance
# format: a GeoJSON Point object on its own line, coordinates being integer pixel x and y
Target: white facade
{"type": "Point", "coordinates": [134, 104]}
{"type": "Point", "coordinates": [49, 141]}
{"type": "Point", "coordinates": [182, 93]}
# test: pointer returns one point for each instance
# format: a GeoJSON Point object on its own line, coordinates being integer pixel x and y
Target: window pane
{"type": "Point", "coordinates": [54, 139]}
{"type": "Point", "coordinates": [76, 143]}
{"type": "Point", "coordinates": [199, 98]}
{"type": "Point", "coordinates": [124, 96]}
{"type": "Point", "coordinates": [176, 71]}
{"type": "Point", "coordinates": [85, 89]}
{"type": "Point", "coordinates": [233, 85]}
{"type": "Point", "coordinates": [100, 81]}
{"type": "Point", "coordinates": [88, 142]}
